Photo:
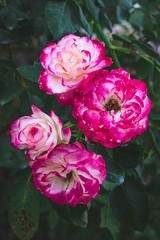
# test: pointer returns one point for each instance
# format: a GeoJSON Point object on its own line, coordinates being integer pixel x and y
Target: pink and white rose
{"type": "Point", "coordinates": [69, 62]}
{"type": "Point", "coordinates": [38, 134]}
{"type": "Point", "coordinates": [68, 98]}
{"type": "Point", "coordinates": [114, 110]}
{"type": "Point", "coordinates": [71, 175]}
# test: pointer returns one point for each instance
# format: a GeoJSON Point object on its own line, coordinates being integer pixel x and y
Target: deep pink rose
{"type": "Point", "coordinates": [38, 134]}
{"type": "Point", "coordinates": [71, 175]}
{"type": "Point", "coordinates": [114, 110]}
{"type": "Point", "coordinates": [69, 62]}
{"type": "Point", "coordinates": [68, 98]}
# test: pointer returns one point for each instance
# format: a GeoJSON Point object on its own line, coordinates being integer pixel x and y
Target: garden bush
{"type": "Point", "coordinates": [80, 119]}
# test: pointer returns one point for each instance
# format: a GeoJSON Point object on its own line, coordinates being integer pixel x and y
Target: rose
{"type": "Point", "coordinates": [71, 175]}
{"type": "Point", "coordinates": [69, 62]}
{"type": "Point", "coordinates": [38, 134]}
{"type": "Point", "coordinates": [68, 98]}
{"type": "Point", "coordinates": [114, 110]}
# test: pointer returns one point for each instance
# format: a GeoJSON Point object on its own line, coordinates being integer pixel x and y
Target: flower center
{"type": "Point", "coordinates": [112, 104]}
{"type": "Point", "coordinates": [69, 176]}
{"type": "Point", "coordinates": [69, 180]}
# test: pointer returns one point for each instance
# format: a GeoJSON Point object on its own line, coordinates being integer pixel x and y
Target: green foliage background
{"type": "Point", "coordinates": [128, 207]}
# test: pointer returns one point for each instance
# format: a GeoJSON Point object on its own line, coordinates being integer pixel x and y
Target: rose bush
{"type": "Point", "coordinates": [71, 175]}
{"type": "Point", "coordinates": [69, 62]}
{"type": "Point", "coordinates": [111, 109]}
{"type": "Point", "coordinates": [114, 110]}
{"type": "Point", "coordinates": [38, 134]}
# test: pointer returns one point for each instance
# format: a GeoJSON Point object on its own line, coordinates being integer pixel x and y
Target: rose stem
{"type": "Point", "coordinates": [108, 44]}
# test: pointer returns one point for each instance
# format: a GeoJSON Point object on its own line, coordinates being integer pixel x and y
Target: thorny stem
{"type": "Point", "coordinates": [121, 49]}
{"type": "Point", "coordinates": [112, 48]}
{"type": "Point", "coordinates": [108, 44]}
{"type": "Point", "coordinates": [140, 54]}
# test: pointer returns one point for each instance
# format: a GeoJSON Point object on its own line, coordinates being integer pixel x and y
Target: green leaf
{"type": "Point", "coordinates": [121, 38]}
{"type": "Point", "coordinates": [114, 173]}
{"type": "Point", "coordinates": [10, 157]}
{"type": "Point", "coordinates": [128, 156]}
{"type": "Point", "coordinates": [10, 93]}
{"type": "Point", "coordinates": [38, 7]}
{"type": "Point", "coordinates": [157, 63]}
{"type": "Point", "coordinates": [141, 173]}
{"type": "Point", "coordinates": [121, 14]}
{"type": "Point", "coordinates": [61, 18]}
{"type": "Point", "coordinates": [4, 37]}
{"type": "Point", "coordinates": [141, 19]}
{"type": "Point", "coordinates": [36, 100]}
{"type": "Point", "coordinates": [53, 218]}
{"type": "Point", "coordinates": [130, 204]}
{"type": "Point", "coordinates": [105, 152]}
{"type": "Point", "coordinates": [141, 74]}
{"type": "Point", "coordinates": [109, 221]}
{"type": "Point", "coordinates": [85, 23]}
{"type": "Point", "coordinates": [79, 215]}
{"type": "Point", "coordinates": [103, 198]}
{"type": "Point", "coordinates": [92, 9]}
{"type": "Point", "coordinates": [23, 210]}
{"type": "Point", "coordinates": [145, 4]}
{"type": "Point", "coordinates": [10, 19]}
{"type": "Point", "coordinates": [20, 15]}
{"type": "Point", "coordinates": [144, 48]}
{"type": "Point", "coordinates": [137, 45]}
{"type": "Point", "coordinates": [100, 3]}
{"type": "Point", "coordinates": [52, 103]}
{"type": "Point", "coordinates": [31, 72]}
{"type": "Point", "coordinates": [109, 186]}
{"type": "Point", "coordinates": [137, 18]}
{"type": "Point", "coordinates": [126, 4]}
{"type": "Point", "coordinates": [107, 21]}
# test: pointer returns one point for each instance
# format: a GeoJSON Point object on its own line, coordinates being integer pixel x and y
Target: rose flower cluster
{"type": "Point", "coordinates": [109, 106]}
